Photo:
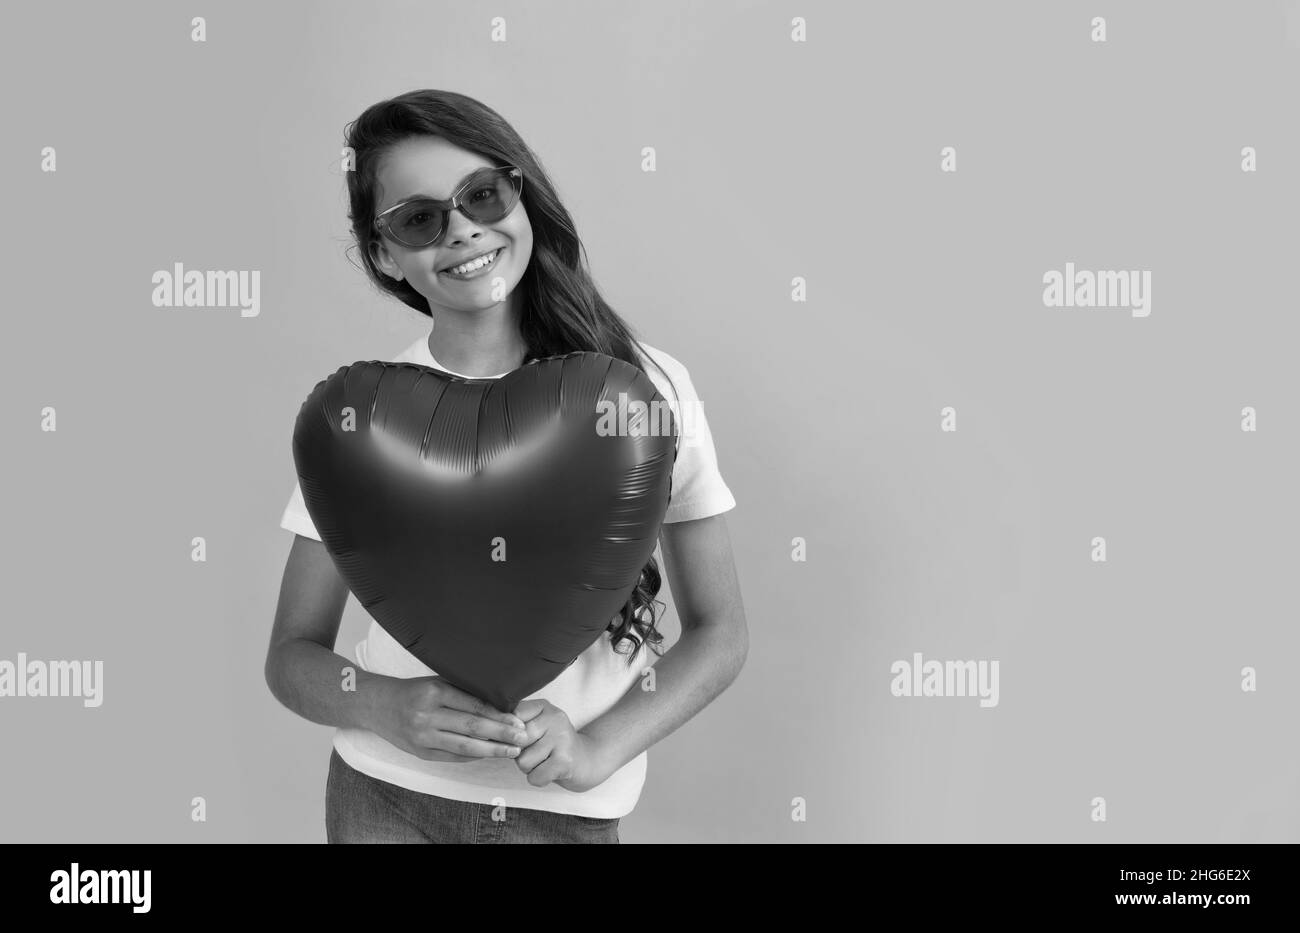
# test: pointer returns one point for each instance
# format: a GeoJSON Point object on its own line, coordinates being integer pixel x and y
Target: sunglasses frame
{"type": "Point", "coordinates": [512, 172]}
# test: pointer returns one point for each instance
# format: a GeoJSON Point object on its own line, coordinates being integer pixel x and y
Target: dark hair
{"type": "Point", "coordinates": [562, 310]}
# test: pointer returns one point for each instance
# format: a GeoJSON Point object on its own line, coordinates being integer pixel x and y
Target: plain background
{"type": "Point", "coordinates": [775, 159]}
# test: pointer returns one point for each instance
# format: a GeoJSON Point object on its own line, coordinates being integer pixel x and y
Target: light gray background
{"type": "Point", "coordinates": [775, 159]}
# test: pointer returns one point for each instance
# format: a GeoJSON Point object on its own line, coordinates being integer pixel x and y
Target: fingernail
{"type": "Point", "coordinates": [521, 736]}
{"type": "Point", "coordinates": [512, 751]}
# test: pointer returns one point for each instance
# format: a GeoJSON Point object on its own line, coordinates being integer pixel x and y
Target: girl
{"type": "Point", "coordinates": [454, 216]}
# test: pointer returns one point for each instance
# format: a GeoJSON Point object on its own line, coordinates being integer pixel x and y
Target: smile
{"type": "Point", "coordinates": [475, 268]}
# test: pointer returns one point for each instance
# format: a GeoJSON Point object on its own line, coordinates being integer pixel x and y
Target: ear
{"type": "Point", "coordinates": [384, 260]}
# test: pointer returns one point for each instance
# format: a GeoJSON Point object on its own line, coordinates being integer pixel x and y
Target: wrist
{"type": "Point", "coordinates": [603, 757]}
{"type": "Point", "coordinates": [372, 700]}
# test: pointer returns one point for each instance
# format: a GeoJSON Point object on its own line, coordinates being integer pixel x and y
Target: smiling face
{"type": "Point", "coordinates": [429, 166]}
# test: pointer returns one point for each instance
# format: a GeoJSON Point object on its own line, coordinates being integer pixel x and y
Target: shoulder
{"type": "Point", "coordinates": [659, 363]}
{"type": "Point", "coordinates": [663, 358]}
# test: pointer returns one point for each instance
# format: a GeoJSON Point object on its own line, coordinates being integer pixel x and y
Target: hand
{"type": "Point", "coordinates": [556, 752]}
{"type": "Point", "coordinates": [429, 718]}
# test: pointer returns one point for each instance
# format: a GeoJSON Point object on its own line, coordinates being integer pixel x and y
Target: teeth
{"type": "Point", "coordinates": [476, 264]}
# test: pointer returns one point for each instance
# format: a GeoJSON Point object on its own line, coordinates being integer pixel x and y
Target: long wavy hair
{"type": "Point", "coordinates": [562, 310]}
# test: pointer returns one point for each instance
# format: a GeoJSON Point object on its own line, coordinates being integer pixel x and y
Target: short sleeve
{"type": "Point", "coordinates": [698, 488]}
{"type": "Point", "coordinates": [296, 518]}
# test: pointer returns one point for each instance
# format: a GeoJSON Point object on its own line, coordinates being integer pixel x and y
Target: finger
{"type": "Point", "coordinates": [536, 730]}
{"type": "Point", "coordinates": [476, 727]}
{"type": "Point", "coordinates": [437, 754]}
{"type": "Point", "coordinates": [530, 709]}
{"type": "Point", "coordinates": [532, 756]}
{"type": "Point", "coordinates": [544, 773]}
{"type": "Point", "coordinates": [459, 744]}
{"type": "Point", "coordinates": [457, 698]}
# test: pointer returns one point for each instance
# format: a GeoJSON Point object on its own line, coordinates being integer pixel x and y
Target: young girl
{"type": "Point", "coordinates": [455, 217]}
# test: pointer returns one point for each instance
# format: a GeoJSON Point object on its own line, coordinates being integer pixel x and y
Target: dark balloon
{"type": "Point", "coordinates": [434, 477]}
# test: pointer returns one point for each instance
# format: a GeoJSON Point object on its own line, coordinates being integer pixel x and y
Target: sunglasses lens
{"type": "Point", "coordinates": [491, 197]}
{"type": "Point", "coordinates": [417, 225]}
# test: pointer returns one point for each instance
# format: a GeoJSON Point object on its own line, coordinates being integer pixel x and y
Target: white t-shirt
{"type": "Point", "coordinates": [586, 689]}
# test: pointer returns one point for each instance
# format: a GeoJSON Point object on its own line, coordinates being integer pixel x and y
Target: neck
{"type": "Point", "coordinates": [477, 343]}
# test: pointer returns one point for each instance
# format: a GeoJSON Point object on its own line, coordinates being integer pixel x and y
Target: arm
{"type": "Point", "coordinates": [302, 669]}
{"type": "Point", "coordinates": [705, 660]}
{"type": "Point", "coordinates": [424, 716]}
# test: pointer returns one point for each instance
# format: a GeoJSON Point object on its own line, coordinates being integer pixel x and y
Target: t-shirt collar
{"type": "Point", "coordinates": [426, 358]}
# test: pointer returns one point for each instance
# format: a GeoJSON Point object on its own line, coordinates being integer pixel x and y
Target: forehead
{"type": "Point", "coordinates": [424, 167]}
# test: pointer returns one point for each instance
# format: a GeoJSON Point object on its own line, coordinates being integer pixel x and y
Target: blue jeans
{"type": "Point", "coordinates": [360, 808]}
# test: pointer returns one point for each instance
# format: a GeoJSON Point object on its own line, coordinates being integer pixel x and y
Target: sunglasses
{"type": "Point", "coordinates": [486, 196]}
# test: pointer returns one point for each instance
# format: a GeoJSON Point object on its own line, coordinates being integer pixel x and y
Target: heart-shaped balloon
{"type": "Point", "coordinates": [494, 527]}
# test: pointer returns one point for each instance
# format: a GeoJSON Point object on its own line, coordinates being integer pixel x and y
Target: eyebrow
{"type": "Point", "coordinates": [424, 194]}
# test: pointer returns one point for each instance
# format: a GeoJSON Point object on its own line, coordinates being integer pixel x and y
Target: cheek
{"type": "Point", "coordinates": [521, 246]}
{"type": "Point", "coordinates": [520, 231]}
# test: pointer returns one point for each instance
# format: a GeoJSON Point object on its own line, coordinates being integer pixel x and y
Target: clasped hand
{"type": "Point", "coordinates": [431, 719]}
{"type": "Point", "coordinates": [555, 751]}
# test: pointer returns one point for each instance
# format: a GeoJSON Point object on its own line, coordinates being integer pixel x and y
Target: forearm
{"type": "Point", "coordinates": [703, 663]}
{"type": "Point", "coordinates": [313, 681]}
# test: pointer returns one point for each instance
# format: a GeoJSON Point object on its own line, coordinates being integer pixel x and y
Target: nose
{"type": "Point", "coordinates": [461, 229]}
